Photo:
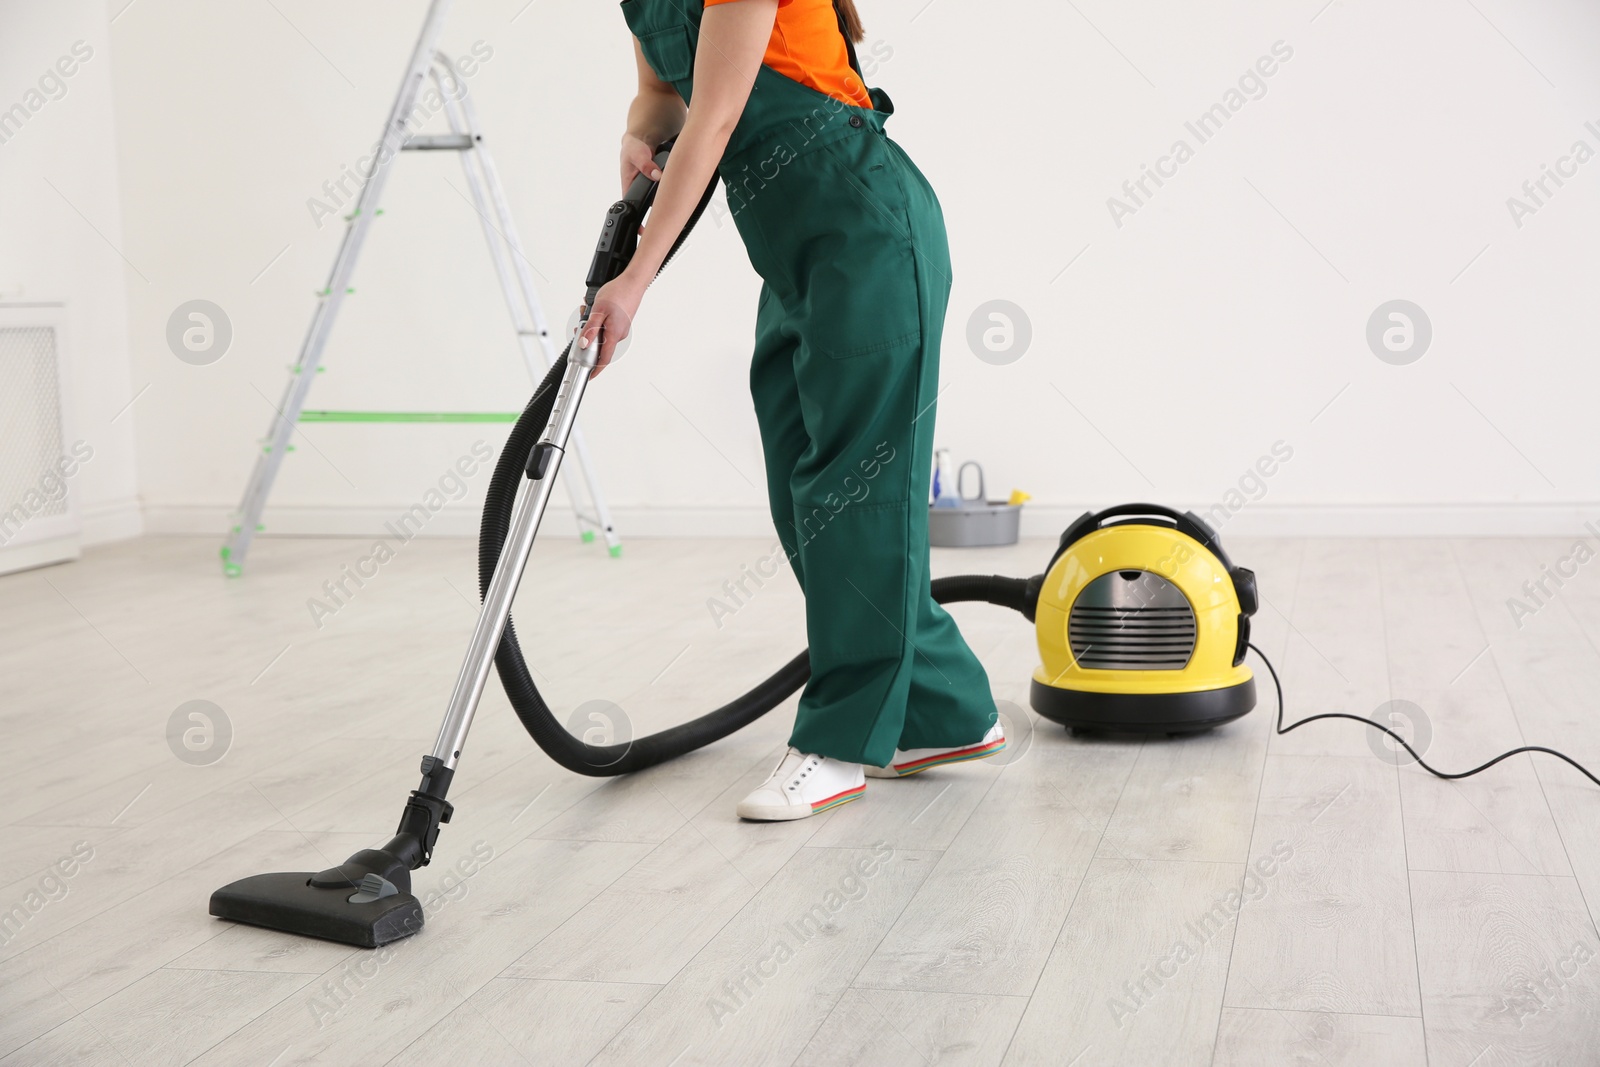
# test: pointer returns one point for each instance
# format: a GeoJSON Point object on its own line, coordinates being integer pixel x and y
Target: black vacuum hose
{"type": "Point", "coordinates": [1020, 594]}
{"type": "Point", "coordinates": [601, 761]}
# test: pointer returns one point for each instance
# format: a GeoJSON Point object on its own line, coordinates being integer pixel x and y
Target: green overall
{"type": "Point", "coordinates": [849, 239]}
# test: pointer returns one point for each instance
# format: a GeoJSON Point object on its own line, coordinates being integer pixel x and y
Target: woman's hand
{"type": "Point", "coordinates": [611, 318]}
{"type": "Point", "coordinates": [638, 158]}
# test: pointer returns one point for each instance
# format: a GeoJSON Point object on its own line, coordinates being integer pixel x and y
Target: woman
{"type": "Point", "coordinates": [848, 237]}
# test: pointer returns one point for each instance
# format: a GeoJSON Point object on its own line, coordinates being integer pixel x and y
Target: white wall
{"type": "Point", "coordinates": [61, 228]}
{"type": "Point", "coordinates": [1224, 316]}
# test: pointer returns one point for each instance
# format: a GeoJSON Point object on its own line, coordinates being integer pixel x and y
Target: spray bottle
{"type": "Point", "coordinates": [945, 492]}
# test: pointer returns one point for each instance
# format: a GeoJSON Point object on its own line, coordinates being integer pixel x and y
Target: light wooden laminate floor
{"type": "Point", "coordinates": [1233, 898]}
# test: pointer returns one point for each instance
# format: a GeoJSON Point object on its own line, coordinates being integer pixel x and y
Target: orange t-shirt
{"type": "Point", "coordinates": [807, 47]}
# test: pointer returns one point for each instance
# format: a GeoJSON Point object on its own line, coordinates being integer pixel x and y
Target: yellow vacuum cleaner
{"type": "Point", "coordinates": [1143, 625]}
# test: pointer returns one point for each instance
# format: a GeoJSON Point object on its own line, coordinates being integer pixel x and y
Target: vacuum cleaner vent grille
{"type": "Point", "coordinates": [1131, 621]}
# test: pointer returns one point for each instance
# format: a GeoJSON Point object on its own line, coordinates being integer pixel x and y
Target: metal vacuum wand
{"type": "Point", "coordinates": [543, 463]}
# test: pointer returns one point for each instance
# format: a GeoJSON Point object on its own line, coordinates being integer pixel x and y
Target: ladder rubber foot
{"type": "Point", "coordinates": [616, 551]}
{"type": "Point", "coordinates": [586, 536]}
{"type": "Point", "coordinates": [232, 570]}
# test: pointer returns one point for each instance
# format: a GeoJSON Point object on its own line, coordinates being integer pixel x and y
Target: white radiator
{"type": "Point", "coordinates": [39, 459]}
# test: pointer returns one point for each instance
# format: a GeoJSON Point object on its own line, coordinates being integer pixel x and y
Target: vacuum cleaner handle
{"type": "Point", "coordinates": [1185, 522]}
{"type": "Point", "coordinates": [619, 237]}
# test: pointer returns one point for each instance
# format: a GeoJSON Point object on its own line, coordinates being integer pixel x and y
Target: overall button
{"type": "Point", "coordinates": [855, 120]}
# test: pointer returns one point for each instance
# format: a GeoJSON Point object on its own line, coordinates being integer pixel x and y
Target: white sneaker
{"type": "Point", "coordinates": [915, 760]}
{"type": "Point", "coordinates": [802, 786]}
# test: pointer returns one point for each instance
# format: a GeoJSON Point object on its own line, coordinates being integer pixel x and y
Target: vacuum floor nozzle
{"type": "Point", "coordinates": [361, 915]}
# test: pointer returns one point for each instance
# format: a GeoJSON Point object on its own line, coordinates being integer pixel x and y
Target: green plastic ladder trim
{"type": "Point", "coordinates": [616, 551]}
{"type": "Point", "coordinates": [587, 536]}
{"type": "Point", "coordinates": [231, 570]}
{"type": "Point", "coordinates": [409, 416]}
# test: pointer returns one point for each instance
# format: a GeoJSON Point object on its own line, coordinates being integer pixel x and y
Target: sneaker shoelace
{"type": "Point", "coordinates": [807, 765]}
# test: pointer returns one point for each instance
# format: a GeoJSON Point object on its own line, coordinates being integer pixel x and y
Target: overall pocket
{"type": "Point", "coordinates": [861, 269]}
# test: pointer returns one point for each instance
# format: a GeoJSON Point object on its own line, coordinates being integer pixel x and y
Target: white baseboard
{"type": "Point", "coordinates": [450, 521]}
{"type": "Point", "coordinates": [1279, 520]}
{"type": "Point", "coordinates": [45, 553]}
{"type": "Point", "coordinates": [1514, 519]}
{"type": "Point", "coordinates": [112, 520]}
{"type": "Point", "coordinates": [306, 521]}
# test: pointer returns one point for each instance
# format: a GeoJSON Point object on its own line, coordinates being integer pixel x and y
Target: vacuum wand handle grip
{"type": "Point", "coordinates": [619, 236]}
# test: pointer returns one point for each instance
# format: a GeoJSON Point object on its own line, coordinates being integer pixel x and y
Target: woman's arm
{"type": "Point", "coordinates": [733, 40]}
{"type": "Point", "coordinates": [655, 116]}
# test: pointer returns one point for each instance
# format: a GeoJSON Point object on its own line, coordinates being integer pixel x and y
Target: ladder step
{"type": "Point", "coordinates": [409, 416]}
{"type": "Point", "coordinates": [436, 142]}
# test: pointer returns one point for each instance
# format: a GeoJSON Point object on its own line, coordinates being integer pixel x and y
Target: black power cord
{"type": "Point", "coordinates": [1282, 729]}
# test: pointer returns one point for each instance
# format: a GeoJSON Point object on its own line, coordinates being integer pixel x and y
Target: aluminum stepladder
{"type": "Point", "coordinates": [511, 269]}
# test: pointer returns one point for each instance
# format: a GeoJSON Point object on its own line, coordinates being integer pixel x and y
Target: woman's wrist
{"type": "Point", "coordinates": [636, 277]}
{"type": "Point", "coordinates": [654, 121]}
